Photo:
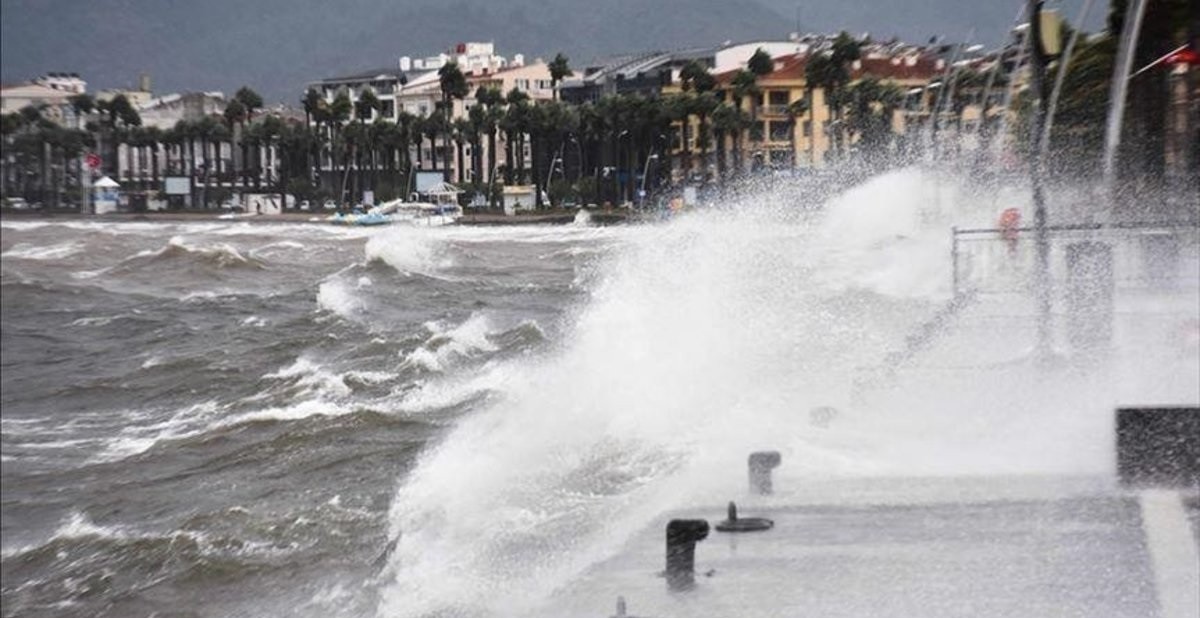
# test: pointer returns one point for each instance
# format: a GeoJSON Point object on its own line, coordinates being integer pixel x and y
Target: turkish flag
{"type": "Point", "coordinates": [1183, 56]}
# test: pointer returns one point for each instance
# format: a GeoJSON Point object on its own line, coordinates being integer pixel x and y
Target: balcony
{"type": "Point", "coordinates": [772, 110]}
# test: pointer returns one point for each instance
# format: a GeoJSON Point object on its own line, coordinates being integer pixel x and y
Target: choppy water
{"type": "Point", "coordinates": [244, 420]}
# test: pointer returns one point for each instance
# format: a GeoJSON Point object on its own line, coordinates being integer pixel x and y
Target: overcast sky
{"type": "Point", "coordinates": [278, 46]}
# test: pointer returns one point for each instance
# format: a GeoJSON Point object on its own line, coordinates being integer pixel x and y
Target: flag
{"type": "Point", "coordinates": [1185, 55]}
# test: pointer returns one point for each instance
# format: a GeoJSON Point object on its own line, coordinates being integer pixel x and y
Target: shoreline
{"type": "Point", "coordinates": [598, 217]}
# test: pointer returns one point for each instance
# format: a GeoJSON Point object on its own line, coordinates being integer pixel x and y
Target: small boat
{"type": "Point", "coordinates": [418, 213]}
{"type": "Point", "coordinates": [369, 218]}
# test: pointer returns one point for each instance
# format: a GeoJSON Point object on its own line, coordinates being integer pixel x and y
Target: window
{"type": "Point", "coordinates": [388, 109]}
{"type": "Point", "coordinates": [780, 131]}
{"type": "Point", "coordinates": [522, 84]}
{"type": "Point", "coordinates": [777, 97]}
{"type": "Point", "coordinates": [807, 128]}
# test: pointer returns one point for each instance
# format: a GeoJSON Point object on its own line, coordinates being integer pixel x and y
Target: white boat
{"type": "Point", "coordinates": [439, 209]}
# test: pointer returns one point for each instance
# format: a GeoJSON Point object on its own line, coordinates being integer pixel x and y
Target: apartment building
{"type": "Point", "coordinates": [51, 93]}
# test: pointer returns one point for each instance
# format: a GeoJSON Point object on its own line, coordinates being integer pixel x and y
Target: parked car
{"type": "Point", "coordinates": [16, 203]}
{"type": "Point", "coordinates": [330, 205]}
{"type": "Point", "coordinates": [304, 205]}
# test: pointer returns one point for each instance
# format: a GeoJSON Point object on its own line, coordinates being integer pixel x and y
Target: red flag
{"type": "Point", "coordinates": [1183, 56]}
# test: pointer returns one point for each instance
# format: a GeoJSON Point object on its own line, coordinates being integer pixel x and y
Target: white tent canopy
{"type": "Point", "coordinates": [106, 183]}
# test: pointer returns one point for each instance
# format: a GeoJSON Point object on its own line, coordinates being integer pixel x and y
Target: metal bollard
{"type": "Point", "coordinates": [761, 464]}
{"type": "Point", "coordinates": [682, 536]}
{"type": "Point", "coordinates": [1159, 446]}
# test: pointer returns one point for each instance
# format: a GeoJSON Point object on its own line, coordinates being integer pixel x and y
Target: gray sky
{"type": "Point", "coordinates": [277, 46]}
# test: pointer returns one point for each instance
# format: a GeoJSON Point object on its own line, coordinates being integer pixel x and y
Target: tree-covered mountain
{"type": "Point", "coordinates": [279, 45]}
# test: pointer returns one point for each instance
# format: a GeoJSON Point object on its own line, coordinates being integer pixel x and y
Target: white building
{"type": "Point", "coordinates": [51, 93]}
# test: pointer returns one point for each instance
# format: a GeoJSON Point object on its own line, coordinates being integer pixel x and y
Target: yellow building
{"type": "Point", "coordinates": [778, 138]}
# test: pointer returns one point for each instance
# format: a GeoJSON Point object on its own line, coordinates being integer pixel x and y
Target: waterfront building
{"type": "Point", "coordinates": [51, 93]}
{"type": "Point", "coordinates": [138, 96]}
{"type": "Point", "coordinates": [413, 87]}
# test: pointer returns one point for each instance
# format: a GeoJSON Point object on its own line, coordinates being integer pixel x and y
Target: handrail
{"type": "Point", "coordinates": [1079, 227]}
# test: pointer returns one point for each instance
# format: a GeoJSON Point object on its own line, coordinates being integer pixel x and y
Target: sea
{"type": "Point", "coordinates": [228, 418]}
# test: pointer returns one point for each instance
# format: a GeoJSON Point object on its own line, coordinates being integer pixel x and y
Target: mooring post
{"type": "Point", "coordinates": [1159, 446]}
{"type": "Point", "coordinates": [954, 261]}
{"type": "Point", "coordinates": [761, 463]}
{"type": "Point", "coordinates": [682, 536]}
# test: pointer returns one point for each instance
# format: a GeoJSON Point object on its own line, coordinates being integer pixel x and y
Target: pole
{"type": "Point", "coordinates": [642, 191]}
{"type": "Point", "coordinates": [954, 261]}
{"type": "Point", "coordinates": [1063, 63]}
{"type": "Point", "coordinates": [1118, 91]}
{"type": "Point", "coordinates": [1037, 81]}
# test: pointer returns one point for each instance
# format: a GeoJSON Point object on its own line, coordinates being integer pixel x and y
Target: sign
{"type": "Point", "coordinates": [177, 185]}
{"type": "Point", "coordinates": [427, 181]}
{"type": "Point", "coordinates": [93, 160]}
{"type": "Point", "coordinates": [689, 196]}
{"type": "Point", "coordinates": [369, 198]}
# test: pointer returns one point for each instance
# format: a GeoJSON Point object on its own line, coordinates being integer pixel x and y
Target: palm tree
{"type": "Point", "coordinates": [235, 118]}
{"type": "Point", "coordinates": [831, 72]}
{"type": "Point", "coordinates": [745, 84]}
{"type": "Point", "coordinates": [460, 129]}
{"type": "Point", "coordinates": [453, 86]}
{"type": "Point", "coordinates": [492, 100]}
{"type": "Point", "coordinates": [514, 125]}
{"type": "Point", "coordinates": [795, 110]}
{"type": "Point", "coordinates": [559, 68]}
{"type": "Point", "coordinates": [339, 113]}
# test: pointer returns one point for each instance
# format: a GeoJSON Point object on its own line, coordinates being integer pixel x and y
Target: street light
{"type": "Point", "coordinates": [645, 172]}
{"type": "Point", "coordinates": [617, 177]}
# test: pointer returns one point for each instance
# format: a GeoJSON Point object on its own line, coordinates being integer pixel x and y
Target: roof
{"type": "Point", "coordinates": [908, 67]}
{"type": "Point", "coordinates": [443, 188]}
{"type": "Point", "coordinates": [168, 99]}
{"type": "Point", "coordinates": [35, 91]}
{"type": "Point", "coordinates": [379, 74]}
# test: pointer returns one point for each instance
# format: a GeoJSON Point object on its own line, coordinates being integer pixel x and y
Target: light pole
{"type": "Point", "coordinates": [556, 162]}
{"type": "Point", "coordinates": [645, 172]}
{"type": "Point", "coordinates": [617, 160]}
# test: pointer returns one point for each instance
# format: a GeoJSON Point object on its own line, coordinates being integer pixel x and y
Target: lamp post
{"type": "Point", "coordinates": [645, 172]}
{"type": "Point", "coordinates": [617, 161]}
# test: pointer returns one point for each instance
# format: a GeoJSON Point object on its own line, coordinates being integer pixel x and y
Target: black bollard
{"type": "Point", "coordinates": [761, 464]}
{"type": "Point", "coordinates": [1159, 446]}
{"type": "Point", "coordinates": [743, 524]}
{"type": "Point", "coordinates": [620, 608]}
{"type": "Point", "coordinates": [682, 535]}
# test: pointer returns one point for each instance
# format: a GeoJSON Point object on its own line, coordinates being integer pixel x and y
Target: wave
{"type": "Point", "coordinates": [446, 345]}
{"type": "Point", "coordinates": [26, 251]}
{"type": "Point", "coordinates": [341, 298]}
{"type": "Point", "coordinates": [704, 339]}
{"type": "Point", "coordinates": [178, 250]}
{"type": "Point", "coordinates": [409, 250]}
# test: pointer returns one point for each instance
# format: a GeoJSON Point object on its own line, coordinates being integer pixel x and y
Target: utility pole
{"type": "Point", "coordinates": [1041, 275]}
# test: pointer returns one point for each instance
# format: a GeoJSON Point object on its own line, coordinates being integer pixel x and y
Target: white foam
{"type": "Point", "coordinates": [704, 340]}
{"type": "Point", "coordinates": [446, 345]}
{"type": "Point", "coordinates": [409, 250]}
{"type": "Point", "coordinates": [25, 251]}
{"type": "Point", "coordinates": [336, 296]}
{"type": "Point", "coordinates": [313, 376]}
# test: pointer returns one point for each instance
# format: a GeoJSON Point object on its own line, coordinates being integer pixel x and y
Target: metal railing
{"type": "Point", "coordinates": [1145, 255]}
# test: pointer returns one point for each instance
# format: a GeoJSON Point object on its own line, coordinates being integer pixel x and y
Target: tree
{"type": "Point", "coordinates": [745, 85]}
{"type": "Point", "coordinates": [795, 110]}
{"type": "Point", "coordinates": [760, 63]}
{"type": "Point", "coordinates": [453, 86]}
{"type": "Point", "coordinates": [249, 99]}
{"type": "Point", "coordinates": [235, 118]}
{"type": "Point", "coordinates": [492, 99]}
{"type": "Point", "coordinates": [559, 68]}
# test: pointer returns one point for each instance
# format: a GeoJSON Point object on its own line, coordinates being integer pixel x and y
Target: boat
{"type": "Point", "coordinates": [358, 218]}
{"type": "Point", "coordinates": [419, 213]}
